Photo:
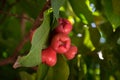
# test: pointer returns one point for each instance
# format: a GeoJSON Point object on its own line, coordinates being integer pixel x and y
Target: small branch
{"type": "Point", "coordinates": [23, 24]}
{"type": "Point", "coordinates": [9, 60]}
{"type": "Point", "coordinates": [36, 24]}
{"type": "Point", "coordinates": [4, 2]}
{"type": "Point", "coordinates": [39, 19]}
{"type": "Point", "coordinates": [17, 16]}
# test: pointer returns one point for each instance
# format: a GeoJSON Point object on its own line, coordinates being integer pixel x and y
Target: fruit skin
{"type": "Point", "coordinates": [49, 56]}
{"type": "Point", "coordinates": [70, 54]}
{"type": "Point", "coordinates": [61, 43]}
{"type": "Point", "coordinates": [64, 26]}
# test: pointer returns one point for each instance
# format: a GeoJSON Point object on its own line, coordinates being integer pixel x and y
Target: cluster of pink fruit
{"type": "Point", "coordinates": [60, 44]}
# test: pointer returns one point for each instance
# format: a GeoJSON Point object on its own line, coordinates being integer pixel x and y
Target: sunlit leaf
{"type": "Point", "coordinates": [80, 7]}
{"type": "Point", "coordinates": [87, 40]}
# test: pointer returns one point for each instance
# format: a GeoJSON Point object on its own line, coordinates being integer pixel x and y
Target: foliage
{"type": "Point", "coordinates": [35, 51]}
{"type": "Point", "coordinates": [96, 33]}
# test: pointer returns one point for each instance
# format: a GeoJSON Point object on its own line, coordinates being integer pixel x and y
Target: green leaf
{"type": "Point", "coordinates": [42, 71]}
{"type": "Point", "coordinates": [60, 71]}
{"type": "Point", "coordinates": [116, 8]}
{"type": "Point", "coordinates": [117, 74]}
{"type": "Point", "coordinates": [81, 10]}
{"type": "Point", "coordinates": [111, 13]}
{"type": "Point", "coordinates": [95, 36]}
{"type": "Point", "coordinates": [106, 30]}
{"type": "Point", "coordinates": [25, 76]}
{"type": "Point", "coordinates": [39, 38]}
{"type": "Point", "coordinates": [56, 4]}
{"type": "Point", "coordinates": [87, 39]}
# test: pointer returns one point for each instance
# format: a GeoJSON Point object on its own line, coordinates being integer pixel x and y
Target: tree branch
{"type": "Point", "coordinates": [17, 16]}
{"type": "Point", "coordinates": [36, 24]}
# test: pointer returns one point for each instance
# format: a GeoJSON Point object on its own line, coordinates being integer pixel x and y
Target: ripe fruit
{"type": "Point", "coordinates": [64, 26]}
{"type": "Point", "coordinates": [61, 43]}
{"type": "Point", "coordinates": [70, 54]}
{"type": "Point", "coordinates": [49, 56]}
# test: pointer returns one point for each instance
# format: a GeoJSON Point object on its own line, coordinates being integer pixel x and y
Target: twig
{"type": "Point", "coordinates": [4, 2]}
{"type": "Point", "coordinates": [23, 24]}
{"type": "Point", "coordinates": [36, 24]}
{"type": "Point", "coordinates": [40, 17]}
{"type": "Point", "coordinates": [17, 16]}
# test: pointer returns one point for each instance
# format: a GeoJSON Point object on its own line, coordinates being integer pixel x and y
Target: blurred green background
{"type": "Point", "coordinates": [96, 33]}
